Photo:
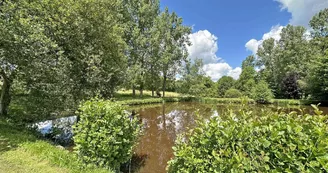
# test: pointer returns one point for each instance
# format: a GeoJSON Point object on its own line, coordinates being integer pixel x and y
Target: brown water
{"type": "Point", "coordinates": [162, 124]}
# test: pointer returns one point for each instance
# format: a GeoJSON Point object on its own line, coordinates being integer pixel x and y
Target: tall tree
{"type": "Point", "coordinates": [224, 84]}
{"type": "Point", "coordinates": [248, 62]}
{"type": "Point", "coordinates": [317, 79]}
{"type": "Point", "coordinates": [173, 42]}
{"type": "Point", "coordinates": [24, 46]}
{"type": "Point", "coordinates": [67, 49]}
{"type": "Point", "coordinates": [246, 81]}
{"type": "Point", "coordinates": [142, 15]}
{"type": "Point", "coordinates": [192, 74]}
{"type": "Point", "coordinates": [291, 54]}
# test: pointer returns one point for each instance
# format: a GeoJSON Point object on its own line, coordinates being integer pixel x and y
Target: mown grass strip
{"type": "Point", "coordinates": [21, 151]}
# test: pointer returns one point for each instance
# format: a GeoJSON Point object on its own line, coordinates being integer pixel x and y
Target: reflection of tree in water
{"type": "Point", "coordinates": [181, 116]}
{"type": "Point", "coordinates": [59, 130]}
{"type": "Point", "coordinates": [135, 164]}
{"type": "Point", "coordinates": [163, 124]}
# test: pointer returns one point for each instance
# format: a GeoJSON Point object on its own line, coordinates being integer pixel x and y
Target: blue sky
{"type": "Point", "coordinates": [226, 31]}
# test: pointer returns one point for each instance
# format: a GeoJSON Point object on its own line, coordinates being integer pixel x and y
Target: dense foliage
{"type": "Point", "coordinates": [105, 134]}
{"type": "Point", "coordinates": [261, 93]}
{"type": "Point", "coordinates": [232, 93]}
{"type": "Point", "coordinates": [245, 142]}
{"type": "Point", "coordinates": [53, 54]}
{"type": "Point", "coordinates": [224, 84]}
{"type": "Point", "coordinates": [294, 66]}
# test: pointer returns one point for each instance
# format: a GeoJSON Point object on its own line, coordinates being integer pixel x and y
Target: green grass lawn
{"type": "Point", "coordinates": [22, 152]}
{"type": "Point", "coordinates": [125, 96]}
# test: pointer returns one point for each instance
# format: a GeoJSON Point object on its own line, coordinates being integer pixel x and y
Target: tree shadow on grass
{"type": "Point", "coordinates": [12, 135]}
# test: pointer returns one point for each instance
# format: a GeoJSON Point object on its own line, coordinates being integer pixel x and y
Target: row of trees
{"type": "Point", "coordinates": [53, 54]}
{"type": "Point", "coordinates": [194, 81]}
{"type": "Point", "coordinates": [157, 45]}
{"type": "Point", "coordinates": [294, 67]}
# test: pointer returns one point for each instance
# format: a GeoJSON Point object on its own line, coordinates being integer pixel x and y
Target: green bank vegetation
{"type": "Point", "coordinates": [22, 151]}
{"type": "Point", "coordinates": [56, 55]}
{"type": "Point", "coordinates": [244, 142]}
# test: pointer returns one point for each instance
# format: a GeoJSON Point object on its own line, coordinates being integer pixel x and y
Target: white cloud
{"type": "Point", "coordinates": [302, 10]}
{"type": "Point", "coordinates": [253, 44]}
{"type": "Point", "coordinates": [204, 46]}
{"type": "Point", "coordinates": [217, 70]}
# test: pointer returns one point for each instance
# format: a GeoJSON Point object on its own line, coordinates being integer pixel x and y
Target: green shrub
{"type": "Point", "coordinates": [105, 134]}
{"type": "Point", "coordinates": [232, 93]}
{"type": "Point", "coordinates": [244, 142]}
{"type": "Point", "coordinates": [262, 93]}
{"type": "Point", "coordinates": [223, 100]}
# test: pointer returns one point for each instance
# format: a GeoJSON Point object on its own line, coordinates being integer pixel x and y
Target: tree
{"type": "Point", "coordinates": [61, 51]}
{"type": "Point", "coordinates": [318, 82]}
{"type": "Point", "coordinates": [248, 62]}
{"type": "Point", "coordinates": [319, 24]}
{"type": "Point", "coordinates": [95, 47]}
{"type": "Point", "coordinates": [261, 93]}
{"type": "Point", "coordinates": [291, 54]}
{"type": "Point", "coordinates": [246, 75]}
{"type": "Point", "coordinates": [232, 93]}
{"type": "Point", "coordinates": [246, 81]}
{"type": "Point", "coordinates": [225, 83]}
{"type": "Point", "coordinates": [290, 86]}
{"type": "Point", "coordinates": [173, 42]}
{"type": "Point", "coordinates": [143, 56]}
{"type": "Point", "coordinates": [24, 47]}
{"type": "Point", "coordinates": [192, 74]}
{"type": "Point", "coordinates": [317, 78]}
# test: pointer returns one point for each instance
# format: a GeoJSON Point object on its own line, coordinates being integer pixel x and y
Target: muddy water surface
{"type": "Point", "coordinates": [162, 124]}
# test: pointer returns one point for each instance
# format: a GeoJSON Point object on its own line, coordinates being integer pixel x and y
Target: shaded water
{"type": "Point", "coordinates": [163, 123]}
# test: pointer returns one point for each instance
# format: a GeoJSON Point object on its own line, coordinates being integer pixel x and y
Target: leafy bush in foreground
{"type": "Point", "coordinates": [243, 142]}
{"type": "Point", "coordinates": [105, 134]}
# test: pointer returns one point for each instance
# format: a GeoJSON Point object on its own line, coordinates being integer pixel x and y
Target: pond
{"type": "Point", "coordinates": [162, 124]}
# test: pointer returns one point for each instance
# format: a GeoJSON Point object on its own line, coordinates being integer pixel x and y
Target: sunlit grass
{"type": "Point", "coordinates": [21, 151]}
{"type": "Point", "coordinates": [146, 93]}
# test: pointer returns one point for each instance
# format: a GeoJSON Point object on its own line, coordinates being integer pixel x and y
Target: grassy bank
{"type": "Point", "coordinates": [141, 101]}
{"type": "Point", "coordinates": [21, 151]}
{"type": "Point", "coordinates": [297, 102]}
{"type": "Point", "coordinates": [151, 100]}
{"type": "Point", "coordinates": [127, 94]}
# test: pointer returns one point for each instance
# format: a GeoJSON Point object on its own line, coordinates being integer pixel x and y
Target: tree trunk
{"type": "Point", "coordinates": [152, 82]}
{"type": "Point", "coordinates": [141, 90]}
{"type": "Point", "coordinates": [5, 97]}
{"type": "Point", "coordinates": [164, 85]}
{"type": "Point", "coordinates": [133, 91]}
{"type": "Point", "coordinates": [152, 91]}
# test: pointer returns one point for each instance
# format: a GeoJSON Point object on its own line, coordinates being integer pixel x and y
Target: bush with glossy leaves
{"type": "Point", "coordinates": [244, 142]}
{"type": "Point", "coordinates": [105, 134]}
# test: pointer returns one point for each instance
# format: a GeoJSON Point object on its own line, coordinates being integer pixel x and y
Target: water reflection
{"type": "Point", "coordinates": [59, 130]}
{"type": "Point", "coordinates": [165, 122]}
{"type": "Point", "coordinates": [162, 124]}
